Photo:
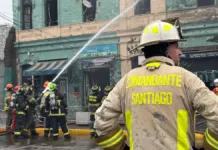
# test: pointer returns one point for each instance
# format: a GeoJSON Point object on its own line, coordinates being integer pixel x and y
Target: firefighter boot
{"type": "Point", "coordinates": [8, 129]}
{"type": "Point", "coordinates": [55, 138]}
{"type": "Point", "coordinates": [18, 137]}
{"type": "Point", "coordinates": [25, 135]}
{"type": "Point", "coordinates": [46, 132]}
{"type": "Point", "coordinates": [34, 133]}
{"type": "Point", "coordinates": [67, 137]}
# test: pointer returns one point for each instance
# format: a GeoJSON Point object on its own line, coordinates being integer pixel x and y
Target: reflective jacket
{"type": "Point", "coordinates": [8, 99]}
{"type": "Point", "coordinates": [59, 107]}
{"type": "Point", "coordinates": [95, 99]}
{"type": "Point", "coordinates": [158, 101]}
{"type": "Point", "coordinates": [21, 104]}
{"type": "Point", "coordinates": [43, 102]}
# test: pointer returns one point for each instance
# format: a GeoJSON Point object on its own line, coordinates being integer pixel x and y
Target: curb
{"type": "Point", "coordinates": [199, 138]}
{"type": "Point", "coordinates": [87, 132]}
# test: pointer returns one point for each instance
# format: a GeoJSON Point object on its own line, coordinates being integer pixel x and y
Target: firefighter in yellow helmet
{"type": "Point", "coordinates": [157, 100]}
{"type": "Point", "coordinates": [107, 90]}
{"type": "Point", "coordinates": [94, 101]}
{"type": "Point", "coordinates": [8, 99]}
{"type": "Point", "coordinates": [21, 109]}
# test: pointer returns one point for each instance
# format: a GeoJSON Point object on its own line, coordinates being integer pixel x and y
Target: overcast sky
{"type": "Point", "coordinates": [6, 9]}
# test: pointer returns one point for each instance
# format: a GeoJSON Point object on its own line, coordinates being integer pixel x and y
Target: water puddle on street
{"type": "Point", "coordinates": [39, 143]}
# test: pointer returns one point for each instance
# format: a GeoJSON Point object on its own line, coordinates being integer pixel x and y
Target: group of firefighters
{"type": "Point", "coordinates": [95, 99]}
{"type": "Point", "coordinates": [20, 105]}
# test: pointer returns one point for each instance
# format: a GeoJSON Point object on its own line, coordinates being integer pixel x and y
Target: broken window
{"type": "Point", "coordinates": [143, 7]}
{"type": "Point", "coordinates": [205, 2]}
{"type": "Point", "coordinates": [27, 14]}
{"type": "Point", "coordinates": [89, 10]}
{"type": "Point", "coordinates": [51, 13]}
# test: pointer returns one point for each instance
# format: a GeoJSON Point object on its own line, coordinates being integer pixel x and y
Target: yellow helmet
{"type": "Point", "coordinates": [95, 88]}
{"type": "Point", "coordinates": [107, 89]}
{"type": "Point", "coordinates": [158, 32]}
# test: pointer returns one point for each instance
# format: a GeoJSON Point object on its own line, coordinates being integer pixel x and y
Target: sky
{"type": "Point", "coordinates": [6, 9]}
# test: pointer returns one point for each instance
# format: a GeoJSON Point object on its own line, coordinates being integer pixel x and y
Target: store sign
{"type": "Point", "coordinates": [200, 55]}
{"type": "Point", "coordinates": [99, 51]}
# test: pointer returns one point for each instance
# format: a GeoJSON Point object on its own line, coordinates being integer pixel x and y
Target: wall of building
{"type": "Point", "coordinates": [172, 5]}
{"type": "Point", "coordinates": [17, 14]}
{"type": "Point", "coordinates": [38, 14]}
{"type": "Point", "coordinates": [2, 67]}
{"type": "Point", "coordinates": [69, 12]}
{"type": "Point", "coordinates": [200, 34]}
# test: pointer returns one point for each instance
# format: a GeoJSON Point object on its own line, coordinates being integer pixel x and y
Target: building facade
{"type": "Point", "coordinates": [7, 59]}
{"type": "Point", "coordinates": [50, 32]}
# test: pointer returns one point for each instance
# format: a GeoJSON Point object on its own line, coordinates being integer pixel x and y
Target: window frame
{"type": "Point", "coordinates": [24, 6]}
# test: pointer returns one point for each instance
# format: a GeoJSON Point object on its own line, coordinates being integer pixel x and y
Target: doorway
{"type": "Point", "coordinates": [100, 76]}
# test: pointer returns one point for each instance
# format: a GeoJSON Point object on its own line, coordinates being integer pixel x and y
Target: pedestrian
{"type": "Point", "coordinates": [158, 100]}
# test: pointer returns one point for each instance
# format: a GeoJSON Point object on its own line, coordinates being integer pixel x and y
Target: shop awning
{"type": "Point", "coordinates": [45, 68]}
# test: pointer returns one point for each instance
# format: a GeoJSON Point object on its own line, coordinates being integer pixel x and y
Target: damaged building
{"type": "Point", "coordinates": [50, 32]}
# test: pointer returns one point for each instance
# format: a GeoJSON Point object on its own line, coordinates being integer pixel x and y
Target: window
{"type": "Point", "coordinates": [51, 13]}
{"type": "Point", "coordinates": [27, 14]}
{"type": "Point", "coordinates": [205, 2]}
{"type": "Point", "coordinates": [89, 10]}
{"type": "Point", "coordinates": [143, 7]}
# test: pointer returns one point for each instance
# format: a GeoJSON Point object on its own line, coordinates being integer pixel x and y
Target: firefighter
{"type": "Point", "coordinates": [107, 90]}
{"type": "Point", "coordinates": [13, 108]}
{"type": "Point", "coordinates": [30, 119]}
{"type": "Point", "coordinates": [8, 99]}
{"type": "Point", "coordinates": [21, 109]}
{"type": "Point", "coordinates": [215, 90]}
{"type": "Point", "coordinates": [94, 101]}
{"type": "Point", "coordinates": [57, 106]}
{"type": "Point", "coordinates": [45, 112]}
{"type": "Point", "coordinates": [158, 100]}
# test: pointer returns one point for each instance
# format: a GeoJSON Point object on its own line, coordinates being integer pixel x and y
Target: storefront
{"type": "Point", "coordinates": [203, 64]}
{"type": "Point", "coordinates": [99, 64]}
{"type": "Point", "coordinates": [43, 71]}
{"type": "Point", "coordinates": [96, 65]}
